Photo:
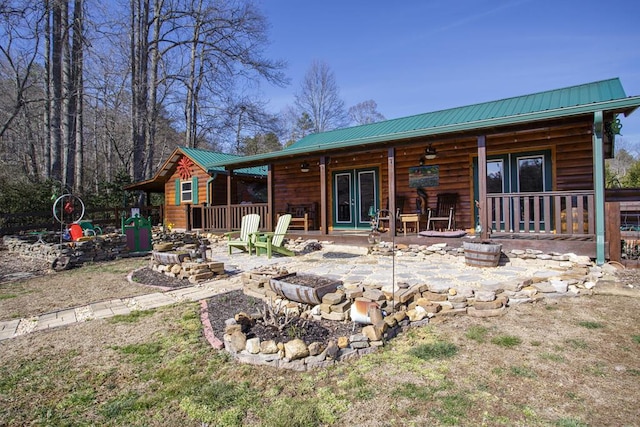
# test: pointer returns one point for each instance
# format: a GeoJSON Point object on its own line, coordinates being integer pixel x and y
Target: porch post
{"type": "Point", "coordinates": [391, 172]}
{"type": "Point", "coordinates": [482, 186]}
{"type": "Point", "coordinates": [229, 200]}
{"type": "Point", "coordinates": [324, 229]}
{"type": "Point", "coordinates": [269, 197]}
{"type": "Point", "coordinates": [598, 185]}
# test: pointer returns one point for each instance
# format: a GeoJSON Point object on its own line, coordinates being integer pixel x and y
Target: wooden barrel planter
{"type": "Point", "coordinates": [304, 288]}
{"type": "Point", "coordinates": [483, 254]}
{"type": "Point", "coordinates": [167, 258]}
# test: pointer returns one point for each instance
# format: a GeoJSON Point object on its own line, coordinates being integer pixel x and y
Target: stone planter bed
{"type": "Point", "coordinates": [401, 308]}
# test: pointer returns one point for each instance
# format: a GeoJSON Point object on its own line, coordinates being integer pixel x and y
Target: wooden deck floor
{"type": "Point", "coordinates": [547, 244]}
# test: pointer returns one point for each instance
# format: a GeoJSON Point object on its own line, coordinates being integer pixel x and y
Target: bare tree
{"type": "Point", "coordinates": [365, 112]}
{"type": "Point", "coordinates": [319, 97]}
{"type": "Point", "coordinates": [226, 51]}
{"type": "Point", "coordinates": [189, 72]}
{"type": "Point", "coordinates": [55, 64]}
{"type": "Point", "coordinates": [140, 10]}
{"type": "Point", "coordinates": [18, 61]}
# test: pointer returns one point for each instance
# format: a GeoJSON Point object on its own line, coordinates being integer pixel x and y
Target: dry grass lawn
{"type": "Point", "coordinates": [565, 362]}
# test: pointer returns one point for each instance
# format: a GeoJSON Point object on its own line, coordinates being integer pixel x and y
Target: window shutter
{"type": "Point", "coordinates": [178, 190]}
{"type": "Point", "coordinates": [194, 190]}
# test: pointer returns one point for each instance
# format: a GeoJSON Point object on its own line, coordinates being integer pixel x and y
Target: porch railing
{"type": "Point", "coordinates": [215, 217]}
{"type": "Point", "coordinates": [546, 213]}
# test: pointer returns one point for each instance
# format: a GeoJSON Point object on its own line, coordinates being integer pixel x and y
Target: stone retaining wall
{"type": "Point", "coordinates": [99, 248]}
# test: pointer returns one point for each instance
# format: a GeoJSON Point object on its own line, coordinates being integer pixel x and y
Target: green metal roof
{"type": "Point", "coordinates": [211, 161]}
{"type": "Point", "coordinates": [605, 95]}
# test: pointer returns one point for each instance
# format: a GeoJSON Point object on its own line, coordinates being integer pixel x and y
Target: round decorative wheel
{"type": "Point", "coordinates": [68, 209]}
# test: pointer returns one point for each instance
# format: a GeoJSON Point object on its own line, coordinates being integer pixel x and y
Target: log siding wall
{"type": "Point", "coordinates": [570, 144]}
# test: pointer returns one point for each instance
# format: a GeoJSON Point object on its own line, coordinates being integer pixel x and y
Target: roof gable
{"type": "Point", "coordinates": [208, 159]}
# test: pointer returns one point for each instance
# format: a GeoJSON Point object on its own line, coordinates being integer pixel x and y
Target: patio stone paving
{"type": "Point", "coordinates": [351, 265]}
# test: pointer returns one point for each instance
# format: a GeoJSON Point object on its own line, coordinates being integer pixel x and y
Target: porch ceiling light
{"type": "Point", "coordinates": [304, 167]}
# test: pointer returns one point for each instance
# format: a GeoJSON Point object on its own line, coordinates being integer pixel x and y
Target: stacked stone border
{"type": "Point", "coordinates": [563, 275]}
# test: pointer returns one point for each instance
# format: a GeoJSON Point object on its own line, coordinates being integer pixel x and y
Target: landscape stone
{"type": "Point", "coordinates": [268, 347]}
{"type": "Point", "coordinates": [488, 305]}
{"type": "Point", "coordinates": [358, 337]}
{"type": "Point", "coordinates": [231, 328]}
{"type": "Point", "coordinates": [473, 312]}
{"type": "Point", "coordinates": [335, 316]}
{"type": "Point", "coordinates": [559, 285]}
{"type": "Point", "coordinates": [417, 313]}
{"type": "Point", "coordinates": [347, 354]}
{"type": "Point", "coordinates": [332, 350]}
{"type": "Point", "coordinates": [315, 348]}
{"type": "Point", "coordinates": [253, 345]}
{"type": "Point", "coordinates": [544, 287]}
{"type": "Point", "coordinates": [341, 307]}
{"type": "Point", "coordinates": [343, 342]}
{"type": "Point", "coordinates": [439, 286]}
{"type": "Point", "coordinates": [390, 321]}
{"type": "Point", "coordinates": [372, 333]}
{"type": "Point", "coordinates": [360, 344]}
{"type": "Point", "coordinates": [235, 342]}
{"type": "Point", "coordinates": [295, 349]}
{"type": "Point", "coordinates": [333, 298]}
{"type": "Point", "coordinates": [373, 295]}
{"type": "Point", "coordinates": [485, 296]}
{"type": "Point", "coordinates": [432, 296]}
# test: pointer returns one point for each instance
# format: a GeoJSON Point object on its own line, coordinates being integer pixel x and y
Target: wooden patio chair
{"type": "Point", "coordinates": [273, 241]}
{"type": "Point", "coordinates": [445, 210]}
{"type": "Point", "coordinates": [384, 216]}
{"type": "Point", "coordinates": [248, 227]}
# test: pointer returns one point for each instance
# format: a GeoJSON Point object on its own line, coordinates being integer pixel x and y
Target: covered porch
{"type": "Point", "coordinates": [527, 171]}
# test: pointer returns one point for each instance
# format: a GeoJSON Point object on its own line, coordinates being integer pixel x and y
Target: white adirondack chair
{"type": "Point", "coordinates": [248, 227]}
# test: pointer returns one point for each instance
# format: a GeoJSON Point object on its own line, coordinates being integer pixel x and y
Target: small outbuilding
{"type": "Point", "coordinates": [197, 194]}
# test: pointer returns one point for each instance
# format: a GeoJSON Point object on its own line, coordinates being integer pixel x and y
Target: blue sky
{"type": "Point", "coordinates": [414, 56]}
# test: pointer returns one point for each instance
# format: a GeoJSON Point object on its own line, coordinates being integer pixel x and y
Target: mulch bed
{"type": "Point", "coordinates": [226, 306]}
{"type": "Point", "coordinates": [148, 276]}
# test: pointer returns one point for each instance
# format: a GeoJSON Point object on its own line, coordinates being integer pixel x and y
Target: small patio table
{"type": "Point", "coordinates": [415, 218]}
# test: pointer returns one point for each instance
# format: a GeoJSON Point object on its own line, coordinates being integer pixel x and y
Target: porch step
{"type": "Point", "coordinates": [349, 249]}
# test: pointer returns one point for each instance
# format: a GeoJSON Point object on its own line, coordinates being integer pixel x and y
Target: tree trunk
{"type": "Point", "coordinates": [56, 82]}
{"type": "Point", "coordinates": [191, 105]}
{"type": "Point", "coordinates": [78, 86]}
{"type": "Point", "coordinates": [68, 104]}
{"type": "Point", "coordinates": [139, 83]}
{"type": "Point", "coordinates": [48, 84]}
{"type": "Point", "coordinates": [154, 53]}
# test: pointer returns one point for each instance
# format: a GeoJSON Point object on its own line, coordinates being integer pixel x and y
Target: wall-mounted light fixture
{"type": "Point", "coordinates": [304, 167]}
{"type": "Point", "coordinates": [429, 154]}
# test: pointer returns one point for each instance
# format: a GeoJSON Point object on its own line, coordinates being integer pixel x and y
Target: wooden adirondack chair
{"type": "Point", "coordinates": [445, 210]}
{"type": "Point", "coordinates": [272, 241]}
{"type": "Point", "coordinates": [248, 227]}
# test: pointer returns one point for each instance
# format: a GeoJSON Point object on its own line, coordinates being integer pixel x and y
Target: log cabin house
{"type": "Point", "coordinates": [524, 168]}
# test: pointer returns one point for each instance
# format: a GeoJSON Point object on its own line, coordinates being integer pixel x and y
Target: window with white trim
{"type": "Point", "coordinates": [186, 192]}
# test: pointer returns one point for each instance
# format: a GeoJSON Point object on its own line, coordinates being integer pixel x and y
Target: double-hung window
{"type": "Point", "coordinates": [186, 191]}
